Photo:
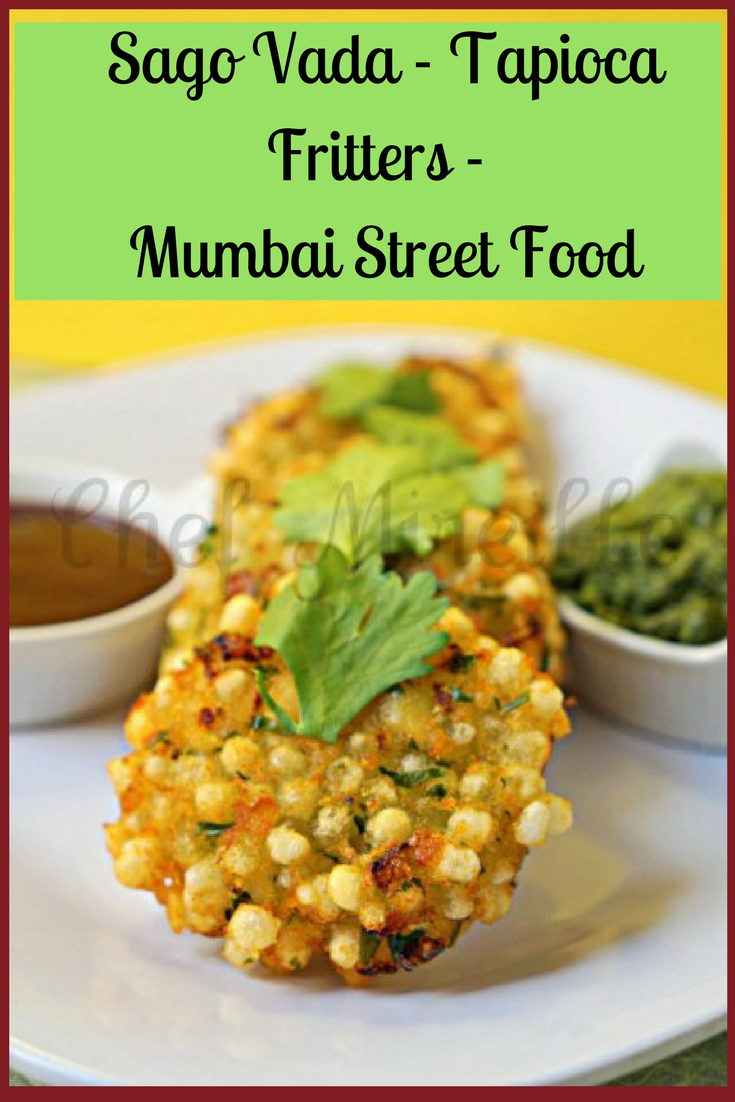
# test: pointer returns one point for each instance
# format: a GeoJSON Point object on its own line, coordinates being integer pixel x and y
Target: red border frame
{"type": "Point", "coordinates": [326, 5]}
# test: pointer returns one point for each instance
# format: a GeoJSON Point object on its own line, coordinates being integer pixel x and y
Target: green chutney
{"type": "Point", "coordinates": [655, 563]}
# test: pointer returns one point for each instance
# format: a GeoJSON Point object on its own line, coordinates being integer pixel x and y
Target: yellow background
{"type": "Point", "coordinates": [682, 341]}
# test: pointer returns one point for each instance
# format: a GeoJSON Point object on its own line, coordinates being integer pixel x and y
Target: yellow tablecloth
{"type": "Point", "coordinates": [681, 341]}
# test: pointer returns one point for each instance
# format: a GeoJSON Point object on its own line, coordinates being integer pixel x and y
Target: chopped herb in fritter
{"type": "Point", "coordinates": [519, 701]}
{"type": "Point", "coordinates": [213, 830]}
{"type": "Point", "coordinates": [369, 943]}
{"type": "Point", "coordinates": [410, 780]}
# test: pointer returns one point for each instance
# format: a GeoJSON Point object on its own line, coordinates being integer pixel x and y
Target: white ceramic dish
{"type": "Point", "coordinates": [614, 952]}
{"type": "Point", "coordinates": [61, 671]}
{"type": "Point", "coordinates": [676, 691]}
{"type": "Point", "coordinates": [673, 690]}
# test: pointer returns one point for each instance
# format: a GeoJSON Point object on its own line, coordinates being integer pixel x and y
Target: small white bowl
{"type": "Point", "coordinates": [68, 670]}
{"type": "Point", "coordinates": [670, 689]}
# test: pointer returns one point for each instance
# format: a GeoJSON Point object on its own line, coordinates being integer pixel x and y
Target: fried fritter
{"type": "Point", "coordinates": [492, 567]}
{"type": "Point", "coordinates": [379, 850]}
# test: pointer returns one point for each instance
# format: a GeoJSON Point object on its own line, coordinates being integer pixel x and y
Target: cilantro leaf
{"type": "Point", "coordinates": [372, 498]}
{"type": "Point", "coordinates": [423, 509]}
{"type": "Point", "coordinates": [435, 437]}
{"type": "Point", "coordinates": [485, 482]}
{"type": "Point", "coordinates": [350, 389]}
{"type": "Point", "coordinates": [384, 498]}
{"type": "Point", "coordinates": [346, 636]}
{"type": "Point", "coordinates": [412, 390]}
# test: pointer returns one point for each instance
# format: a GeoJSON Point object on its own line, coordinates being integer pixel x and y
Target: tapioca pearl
{"type": "Point", "coordinates": [380, 792]}
{"type": "Point", "coordinates": [214, 801]}
{"type": "Point", "coordinates": [547, 699]}
{"type": "Point", "coordinates": [286, 846]}
{"type": "Point", "coordinates": [240, 615]}
{"type": "Point", "coordinates": [241, 858]}
{"type": "Point", "coordinates": [137, 863]}
{"type": "Point", "coordinates": [205, 888]}
{"type": "Point", "coordinates": [344, 776]}
{"type": "Point", "coordinates": [560, 815]}
{"type": "Point", "coordinates": [345, 887]}
{"type": "Point", "coordinates": [360, 744]}
{"type": "Point", "coordinates": [470, 827]}
{"type": "Point", "coordinates": [389, 827]}
{"type": "Point", "coordinates": [344, 946]}
{"type": "Point", "coordinates": [238, 753]}
{"type": "Point", "coordinates": [372, 915]}
{"type": "Point", "coordinates": [298, 797]}
{"type": "Point", "coordinates": [181, 618]}
{"type": "Point", "coordinates": [165, 691]}
{"type": "Point", "coordinates": [390, 709]}
{"type": "Point", "coordinates": [332, 821]}
{"type": "Point", "coordinates": [529, 748]}
{"type": "Point", "coordinates": [313, 895]}
{"type": "Point", "coordinates": [459, 626]}
{"type": "Point", "coordinates": [462, 733]}
{"type": "Point", "coordinates": [502, 873]}
{"type": "Point", "coordinates": [524, 782]}
{"type": "Point", "coordinates": [122, 773]}
{"type": "Point", "coordinates": [412, 763]}
{"type": "Point", "coordinates": [287, 760]}
{"type": "Point", "coordinates": [492, 902]}
{"type": "Point", "coordinates": [230, 685]}
{"type": "Point", "coordinates": [457, 905]}
{"type": "Point", "coordinates": [508, 670]}
{"type": "Point", "coordinates": [533, 824]}
{"type": "Point", "coordinates": [522, 587]}
{"type": "Point", "coordinates": [474, 783]}
{"type": "Point", "coordinates": [459, 864]}
{"type": "Point", "coordinates": [137, 726]}
{"type": "Point", "coordinates": [173, 661]}
{"type": "Point", "coordinates": [252, 929]}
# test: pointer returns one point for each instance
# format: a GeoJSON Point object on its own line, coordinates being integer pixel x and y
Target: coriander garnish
{"type": "Point", "coordinates": [213, 830]}
{"type": "Point", "coordinates": [369, 943]}
{"type": "Point", "coordinates": [162, 736]}
{"type": "Point", "coordinates": [410, 780]}
{"type": "Point", "coordinates": [519, 701]}
{"type": "Point", "coordinates": [368, 629]}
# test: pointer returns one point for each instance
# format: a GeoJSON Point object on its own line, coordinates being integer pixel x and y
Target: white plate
{"type": "Point", "coordinates": [614, 952]}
